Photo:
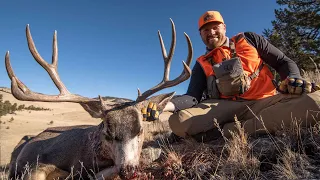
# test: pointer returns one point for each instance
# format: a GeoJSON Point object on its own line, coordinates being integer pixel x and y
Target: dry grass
{"type": "Point", "coordinates": [292, 153]}
{"type": "Point", "coordinates": [312, 77]}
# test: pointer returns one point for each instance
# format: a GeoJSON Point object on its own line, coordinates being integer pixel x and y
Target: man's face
{"type": "Point", "coordinates": [213, 34]}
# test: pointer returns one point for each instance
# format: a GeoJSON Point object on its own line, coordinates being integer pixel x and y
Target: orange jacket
{"type": "Point", "coordinates": [261, 86]}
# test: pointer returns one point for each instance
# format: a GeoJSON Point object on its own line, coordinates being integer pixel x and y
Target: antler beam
{"type": "Point", "coordinates": [166, 83]}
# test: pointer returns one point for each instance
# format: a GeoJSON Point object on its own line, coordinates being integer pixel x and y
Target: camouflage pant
{"type": "Point", "coordinates": [274, 111]}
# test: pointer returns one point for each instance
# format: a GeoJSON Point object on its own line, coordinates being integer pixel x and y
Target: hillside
{"type": "Point", "coordinates": [32, 122]}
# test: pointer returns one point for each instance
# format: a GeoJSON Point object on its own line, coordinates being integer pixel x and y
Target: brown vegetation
{"type": "Point", "coordinates": [292, 153]}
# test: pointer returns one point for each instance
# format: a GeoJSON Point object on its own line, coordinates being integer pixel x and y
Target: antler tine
{"type": "Point", "coordinates": [103, 106]}
{"type": "Point", "coordinates": [190, 51]}
{"type": "Point", "coordinates": [166, 83]}
{"type": "Point", "coordinates": [50, 68]}
{"type": "Point", "coordinates": [22, 92]}
{"type": "Point", "coordinates": [55, 51]}
{"type": "Point", "coordinates": [15, 81]}
{"type": "Point", "coordinates": [186, 73]}
{"type": "Point", "coordinates": [168, 59]}
{"type": "Point", "coordinates": [8, 66]}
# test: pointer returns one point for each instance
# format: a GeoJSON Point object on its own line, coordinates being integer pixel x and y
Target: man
{"type": "Point", "coordinates": [235, 76]}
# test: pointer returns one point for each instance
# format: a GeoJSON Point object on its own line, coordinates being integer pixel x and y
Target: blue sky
{"type": "Point", "coordinates": [111, 48]}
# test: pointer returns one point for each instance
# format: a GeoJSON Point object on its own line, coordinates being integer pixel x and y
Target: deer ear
{"type": "Point", "coordinates": [161, 101]}
{"type": "Point", "coordinates": [94, 108]}
{"type": "Point", "coordinates": [97, 108]}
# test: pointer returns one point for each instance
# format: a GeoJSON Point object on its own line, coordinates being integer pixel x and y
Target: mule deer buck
{"type": "Point", "coordinates": [111, 148]}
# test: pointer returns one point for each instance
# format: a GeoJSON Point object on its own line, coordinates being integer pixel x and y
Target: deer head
{"type": "Point", "coordinates": [120, 134]}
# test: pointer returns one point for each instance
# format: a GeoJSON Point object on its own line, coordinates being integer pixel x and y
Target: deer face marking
{"type": "Point", "coordinates": [123, 135]}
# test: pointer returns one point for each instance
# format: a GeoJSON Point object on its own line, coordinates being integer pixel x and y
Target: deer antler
{"type": "Point", "coordinates": [22, 92]}
{"type": "Point", "coordinates": [166, 83]}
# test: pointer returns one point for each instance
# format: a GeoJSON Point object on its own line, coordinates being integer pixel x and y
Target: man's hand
{"type": "Point", "coordinates": [150, 113]}
{"type": "Point", "coordinates": [295, 86]}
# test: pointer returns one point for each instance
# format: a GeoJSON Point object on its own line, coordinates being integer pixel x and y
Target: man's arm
{"type": "Point", "coordinates": [197, 85]}
{"type": "Point", "coordinates": [271, 55]}
{"type": "Point", "coordinates": [198, 82]}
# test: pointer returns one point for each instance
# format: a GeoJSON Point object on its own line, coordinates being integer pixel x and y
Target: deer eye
{"type": "Point", "coordinates": [117, 139]}
{"type": "Point", "coordinates": [108, 138]}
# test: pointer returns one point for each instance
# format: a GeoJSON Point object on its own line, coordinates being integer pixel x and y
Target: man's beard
{"type": "Point", "coordinates": [215, 41]}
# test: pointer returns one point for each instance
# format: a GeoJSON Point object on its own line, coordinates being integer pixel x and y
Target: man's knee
{"type": "Point", "coordinates": [310, 109]}
{"type": "Point", "coordinates": [315, 96]}
{"type": "Point", "coordinates": [179, 123]}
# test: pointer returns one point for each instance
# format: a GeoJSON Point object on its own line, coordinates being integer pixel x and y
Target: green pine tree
{"type": "Point", "coordinates": [296, 31]}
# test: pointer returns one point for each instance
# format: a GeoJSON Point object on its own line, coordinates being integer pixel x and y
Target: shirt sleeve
{"type": "Point", "coordinates": [198, 82]}
{"type": "Point", "coordinates": [197, 85]}
{"type": "Point", "coordinates": [272, 56]}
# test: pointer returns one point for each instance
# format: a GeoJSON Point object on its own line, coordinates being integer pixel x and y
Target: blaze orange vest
{"type": "Point", "coordinates": [261, 86]}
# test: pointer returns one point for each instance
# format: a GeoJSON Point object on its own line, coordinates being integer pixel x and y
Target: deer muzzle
{"type": "Point", "coordinates": [127, 153]}
{"type": "Point", "coordinates": [128, 172]}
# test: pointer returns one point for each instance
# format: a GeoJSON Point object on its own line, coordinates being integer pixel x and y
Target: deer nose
{"type": "Point", "coordinates": [128, 172]}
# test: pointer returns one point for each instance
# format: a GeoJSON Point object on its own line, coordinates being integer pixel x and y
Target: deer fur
{"type": "Point", "coordinates": [108, 148]}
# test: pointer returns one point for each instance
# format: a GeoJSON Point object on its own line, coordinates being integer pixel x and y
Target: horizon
{"type": "Point", "coordinates": [112, 48]}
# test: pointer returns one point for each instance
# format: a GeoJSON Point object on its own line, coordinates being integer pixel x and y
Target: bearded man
{"type": "Point", "coordinates": [234, 76]}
